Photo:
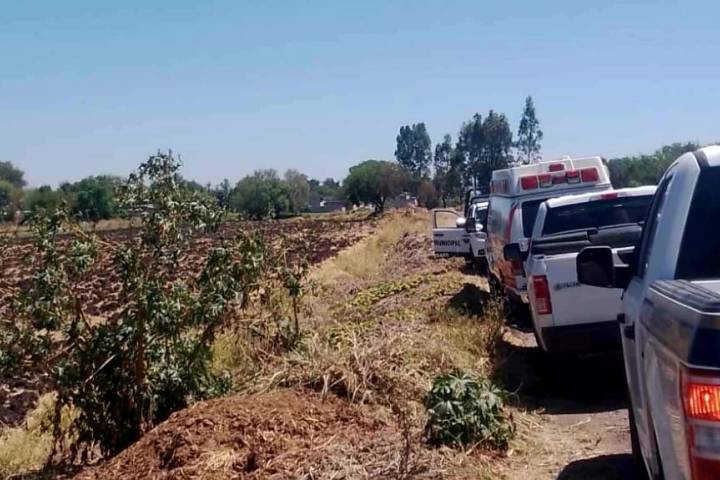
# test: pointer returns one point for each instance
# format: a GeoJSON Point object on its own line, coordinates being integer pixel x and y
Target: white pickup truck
{"type": "Point", "coordinates": [456, 235]}
{"type": "Point", "coordinates": [569, 317]}
{"type": "Point", "coordinates": [670, 321]}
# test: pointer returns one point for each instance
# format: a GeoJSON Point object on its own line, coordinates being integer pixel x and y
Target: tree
{"type": "Point", "coordinates": [9, 200]}
{"type": "Point", "coordinates": [634, 171]}
{"type": "Point", "coordinates": [374, 181]}
{"type": "Point", "coordinates": [413, 151]}
{"type": "Point", "coordinates": [12, 174]}
{"type": "Point", "coordinates": [222, 193]}
{"type": "Point", "coordinates": [529, 135]}
{"type": "Point", "coordinates": [498, 142]}
{"type": "Point", "coordinates": [484, 146]}
{"type": "Point", "coordinates": [42, 198]}
{"type": "Point", "coordinates": [92, 198]}
{"type": "Point", "coordinates": [427, 195]}
{"type": "Point", "coordinates": [469, 147]}
{"type": "Point", "coordinates": [260, 195]}
{"type": "Point", "coordinates": [448, 170]}
{"type": "Point", "coordinates": [298, 189]}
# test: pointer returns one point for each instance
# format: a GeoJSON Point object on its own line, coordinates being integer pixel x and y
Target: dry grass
{"type": "Point", "coordinates": [384, 322]}
{"type": "Point", "coordinates": [367, 259]}
{"type": "Point", "coordinates": [27, 448]}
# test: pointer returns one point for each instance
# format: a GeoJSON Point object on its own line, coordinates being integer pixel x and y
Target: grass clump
{"type": "Point", "coordinates": [25, 449]}
{"type": "Point", "coordinates": [465, 411]}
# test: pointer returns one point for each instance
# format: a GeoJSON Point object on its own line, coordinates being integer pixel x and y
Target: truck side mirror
{"type": "Point", "coordinates": [470, 224]}
{"type": "Point", "coordinates": [512, 253]}
{"type": "Point", "coordinates": [596, 267]}
{"type": "Point", "coordinates": [460, 222]}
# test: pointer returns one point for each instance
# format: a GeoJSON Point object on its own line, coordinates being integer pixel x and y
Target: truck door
{"type": "Point", "coordinates": [632, 332]}
{"type": "Point", "coordinates": [449, 239]}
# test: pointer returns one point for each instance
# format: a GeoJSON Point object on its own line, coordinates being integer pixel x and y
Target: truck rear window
{"type": "Point", "coordinates": [597, 214]}
{"type": "Point", "coordinates": [699, 256]}
{"type": "Point", "coordinates": [529, 213]}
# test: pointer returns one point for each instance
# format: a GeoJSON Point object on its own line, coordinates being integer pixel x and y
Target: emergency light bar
{"type": "Point", "coordinates": [546, 180]}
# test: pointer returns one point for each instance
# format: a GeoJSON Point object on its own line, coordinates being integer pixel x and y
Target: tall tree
{"type": "Point", "coordinates": [484, 146]}
{"type": "Point", "coordinates": [414, 150]}
{"type": "Point", "coordinates": [469, 148]}
{"type": "Point", "coordinates": [496, 153]}
{"type": "Point", "coordinates": [298, 189]}
{"type": "Point", "coordinates": [448, 170]}
{"type": "Point", "coordinates": [374, 181]}
{"type": "Point", "coordinates": [529, 135]}
{"type": "Point", "coordinates": [10, 173]}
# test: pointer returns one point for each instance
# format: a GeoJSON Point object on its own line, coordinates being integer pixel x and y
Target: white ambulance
{"type": "Point", "coordinates": [515, 196]}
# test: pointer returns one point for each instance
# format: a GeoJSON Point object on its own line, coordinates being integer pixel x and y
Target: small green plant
{"type": "Point", "coordinates": [466, 411]}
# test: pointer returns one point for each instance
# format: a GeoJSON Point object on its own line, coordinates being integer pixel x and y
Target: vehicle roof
{"type": "Point", "coordinates": [506, 182]}
{"type": "Point", "coordinates": [593, 196]}
{"type": "Point", "coordinates": [710, 153]}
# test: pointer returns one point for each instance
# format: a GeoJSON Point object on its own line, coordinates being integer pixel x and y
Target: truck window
{"type": "Point", "coordinates": [481, 216]}
{"type": "Point", "coordinates": [597, 214]}
{"type": "Point", "coordinates": [699, 256]}
{"type": "Point", "coordinates": [529, 213]}
{"type": "Point", "coordinates": [650, 228]}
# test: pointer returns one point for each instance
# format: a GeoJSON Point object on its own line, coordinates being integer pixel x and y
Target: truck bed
{"type": "Point", "coordinates": [684, 316]}
{"type": "Point", "coordinates": [615, 237]}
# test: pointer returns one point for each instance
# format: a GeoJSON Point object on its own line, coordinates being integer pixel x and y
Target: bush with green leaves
{"type": "Point", "coordinates": [124, 373]}
{"type": "Point", "coordinates": [466, 411]}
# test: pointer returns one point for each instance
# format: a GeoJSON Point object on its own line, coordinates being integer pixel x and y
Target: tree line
{"type": "Point", "coordinates": [435, 177]}
{"type": "Point", "coordinates": [264, 193]}
{"type": "Point", "coordinates": [440, 176]}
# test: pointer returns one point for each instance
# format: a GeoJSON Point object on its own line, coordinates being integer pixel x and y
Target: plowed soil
{"type": "Point", "coordinates": [314, 239]}
{"type": "Point", "coordinates": [279, 435]}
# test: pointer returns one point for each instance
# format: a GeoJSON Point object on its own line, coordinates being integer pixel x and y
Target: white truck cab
{"type": "Point", "coordinates": [670, 321]}
{"type": "Point", "coordinates": [569, 317]}
{"type": "Point", "coordinates": [515, 196]}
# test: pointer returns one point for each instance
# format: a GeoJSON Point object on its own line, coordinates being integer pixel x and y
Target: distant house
{"type": "Point", "coordinates": [326, 205]}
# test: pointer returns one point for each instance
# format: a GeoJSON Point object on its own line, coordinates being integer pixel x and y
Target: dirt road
{"type": "Point", "coordinates": [579, 427]}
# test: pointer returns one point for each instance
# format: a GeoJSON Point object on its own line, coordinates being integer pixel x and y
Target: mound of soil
{"type": "Point", "coordinates": [278, 435]}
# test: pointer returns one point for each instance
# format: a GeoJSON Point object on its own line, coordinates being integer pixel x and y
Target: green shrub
{"type": "Point", "coordinates": [466, 411]}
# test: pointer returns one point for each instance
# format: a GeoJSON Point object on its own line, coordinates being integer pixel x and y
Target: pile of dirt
{"type": "Point", "coordinates": [282, 434]}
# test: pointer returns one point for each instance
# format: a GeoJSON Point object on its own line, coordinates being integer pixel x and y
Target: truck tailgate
{"type": "Point", "coordinates": [573, 303]}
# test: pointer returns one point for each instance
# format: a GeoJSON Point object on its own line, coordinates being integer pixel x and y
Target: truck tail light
{"type": "Point", "coordinates": [701, 402]}
{"type": "Point", "coordinates": [589, 174]}
{"type": "Point", "coordinates": [542, 295]}
{"type": "Point", "coordinates": [517, 267]}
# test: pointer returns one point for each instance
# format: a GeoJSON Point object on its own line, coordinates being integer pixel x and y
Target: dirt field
{"type": "Point", "coordinates": [386, 318]}
{"type": "Point", "coordinates": [317, 239]}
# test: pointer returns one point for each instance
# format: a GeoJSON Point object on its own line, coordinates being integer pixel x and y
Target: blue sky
{"type": "Point", "coordinates": [89, 87]}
